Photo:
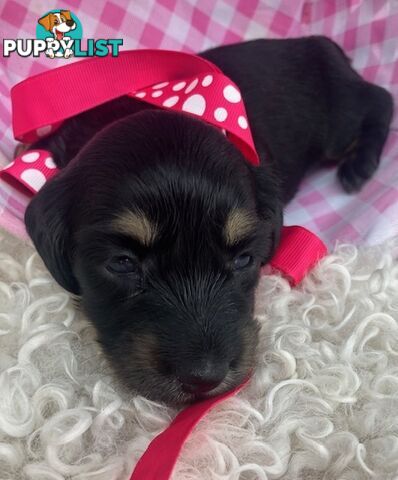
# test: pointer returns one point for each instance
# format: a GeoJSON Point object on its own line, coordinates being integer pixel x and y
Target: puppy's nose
{"type": "Point", "coordinates": [70, 23]}
{"type": "Point", "coordinates": [204, 377]}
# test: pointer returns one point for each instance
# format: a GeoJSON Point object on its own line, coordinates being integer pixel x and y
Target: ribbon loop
{"type": "Point", "coordinates": [92, 82]}
{"type": "Point", "coordinates": [30, 171]}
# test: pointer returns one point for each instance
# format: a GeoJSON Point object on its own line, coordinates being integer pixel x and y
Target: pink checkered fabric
{"type": "Point", "coordinates": [366, 29]}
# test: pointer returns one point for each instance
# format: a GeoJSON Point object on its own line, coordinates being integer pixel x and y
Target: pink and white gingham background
{"type": "Point", "coordinates": [366, 29]}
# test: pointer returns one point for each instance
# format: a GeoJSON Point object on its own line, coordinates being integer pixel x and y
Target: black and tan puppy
{"type": "Point", "coordinates": [161, 225]}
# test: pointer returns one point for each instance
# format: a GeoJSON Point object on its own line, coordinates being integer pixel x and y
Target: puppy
{"type": "Point", "coordinates": [161, 226]}
{"type": "Point", "coordinates": [58, 24]}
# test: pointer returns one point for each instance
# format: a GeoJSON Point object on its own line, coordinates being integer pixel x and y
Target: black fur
{"type": "Point", "coordinates": [184, 316]}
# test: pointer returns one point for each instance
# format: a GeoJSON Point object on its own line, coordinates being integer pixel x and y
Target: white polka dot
{"type": "Point", "coordinates": [220, 114]}
{"type": "Point", "coordinates": [157, 93]}
{"type": "Point", "coordinates": [140, 94]}
{"type": "Point", "coordinates": [231, 94]}
{"type": "Point", "coordinates": [195, 104]}
{"type": "Point", "coordinates": [43, 130]}
{"type": "Point", "coordinates": [207, 80]}
{"type": "Point", "coordinates": [50, 163]}
{"type": "Point", "coordinates": [34, 178]}
{"type": "Point", "coordinates": [179, 86]}
{"type": "Point", "coordinates": [30, 157]}
{"type": "Point", "coordinates": [242, 122]}
{"type": "Point", "coordinates": [191, 86]}
{"type": "Point", "coordinates": [170, 102]}
{"type": "Point", "coordinates": [160, 85]}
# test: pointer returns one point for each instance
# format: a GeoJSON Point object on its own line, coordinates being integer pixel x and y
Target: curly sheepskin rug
{"type": "Point", "coordinates": [323, 403]}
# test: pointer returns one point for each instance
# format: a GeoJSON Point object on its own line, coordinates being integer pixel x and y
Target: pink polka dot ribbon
{"type": "Point", "coordinates": [30, 171]}
{"type": "Point", "coordinates": [169, 80]}
{"type": "Point", "coordinates": [213, 98]}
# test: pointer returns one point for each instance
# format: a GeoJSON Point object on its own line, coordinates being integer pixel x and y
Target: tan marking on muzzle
{"type": "Point", "coordinates": [144, 350]}
{"type": "Point", "coordinates": [137, 225]}
{"type": "Point", "coordinates": [239, 223]}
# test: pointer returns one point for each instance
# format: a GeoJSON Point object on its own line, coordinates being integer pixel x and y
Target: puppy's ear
{"type": "Point", "coordinates": [269, 203]}
{"type": "Point", "coordinates": [20, 148]}
{"type": "Point", "coordinates": [48, 222]}
{"type": "Point", "coordinates": [66, 14]}
{"type": "Point", "coordinates": [46, 21]}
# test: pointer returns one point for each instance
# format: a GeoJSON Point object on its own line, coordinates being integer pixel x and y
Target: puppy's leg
{"type": "Point", "coordinates": [360, 162]}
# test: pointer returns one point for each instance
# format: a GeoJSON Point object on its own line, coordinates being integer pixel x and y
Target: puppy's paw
{"type": "Point", "coordinates": [68, 53]}
{"type": "Point", "coordinates": [353, 173]}
{"type": "Point", "coordinates": [50, 53]}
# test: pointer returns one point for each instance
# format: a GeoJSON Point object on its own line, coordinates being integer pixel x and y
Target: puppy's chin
{"type": "Point", "coordinates": [168, 390]}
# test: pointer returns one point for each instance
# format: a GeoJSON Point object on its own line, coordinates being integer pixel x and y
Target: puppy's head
{"type": "Point", "coordinates": [58, 23]}
{"type": "Point", "coordinates": [161, 226]}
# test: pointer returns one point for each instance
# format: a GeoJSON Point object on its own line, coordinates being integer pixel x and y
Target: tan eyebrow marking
{"type": "Point", "coordinates": [137, 225]}
{"type": "Point", "coordinates": [239, 223]}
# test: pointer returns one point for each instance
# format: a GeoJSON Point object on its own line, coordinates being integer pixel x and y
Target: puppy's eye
{"type": "Point", "coordinates": [242, 261]}
{"type": "Point", "coordinates": [121, 265]}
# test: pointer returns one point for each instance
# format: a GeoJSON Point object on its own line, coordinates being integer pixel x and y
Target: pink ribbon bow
{"type": "Point", "coordinates": [189, 84]}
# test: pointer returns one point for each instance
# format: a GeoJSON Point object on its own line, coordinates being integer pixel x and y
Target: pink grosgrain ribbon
{"type": "Point", "coordinates": [159, 459]}
{"type": "Point", "coordinates": [29, 171]}
{"type": "Point", "coordinates": [168, 80]}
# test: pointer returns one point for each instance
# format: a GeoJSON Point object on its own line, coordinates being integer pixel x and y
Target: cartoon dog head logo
{"type": "Point", "coordinates": [58, 23]}
{"type": "Point", "coordinates": [61, 26]}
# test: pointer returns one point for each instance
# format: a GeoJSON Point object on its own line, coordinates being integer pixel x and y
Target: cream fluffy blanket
{"type": "Point", "coordinates": [323, 403]}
